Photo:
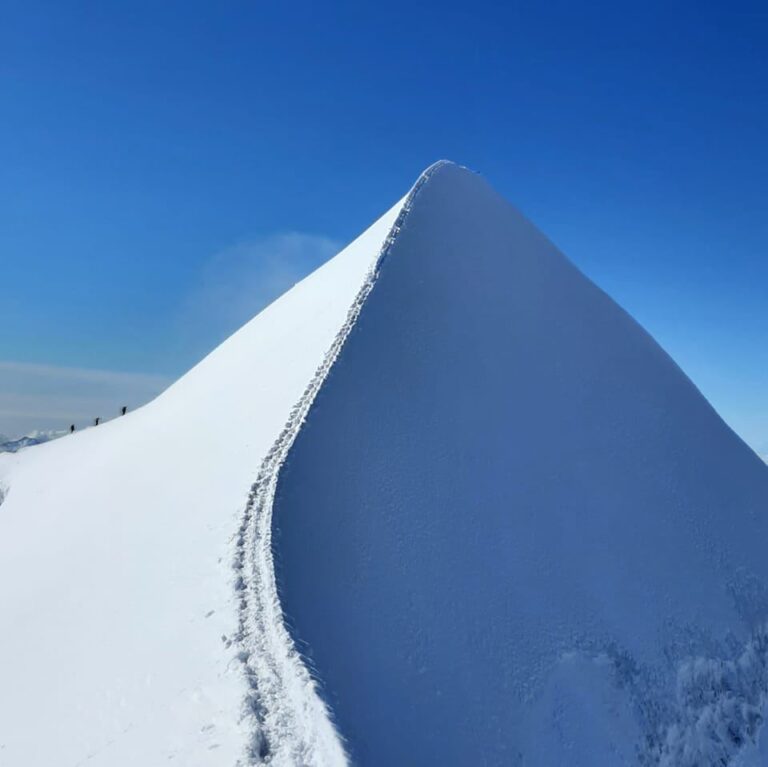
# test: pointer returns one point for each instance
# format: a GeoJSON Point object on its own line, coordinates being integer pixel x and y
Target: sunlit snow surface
{"type": "Point", "coordinates": [511, 531]}
{"type": "Point", "coordinates": [116, 543]}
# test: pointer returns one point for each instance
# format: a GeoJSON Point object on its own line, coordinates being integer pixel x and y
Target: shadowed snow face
{"type": "Point", "coordinates": [503, 470]}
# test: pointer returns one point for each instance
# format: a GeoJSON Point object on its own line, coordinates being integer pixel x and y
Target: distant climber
{"type": "Point", "coordinates": [96, 421]}
{"type": "Point", "coordinates": [72, 428]}
{"type": "Point", "coordinates": [123, 410]}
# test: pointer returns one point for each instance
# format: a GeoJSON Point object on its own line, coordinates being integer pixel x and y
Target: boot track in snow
{"type": "Point", "coordinates": [289, 723]}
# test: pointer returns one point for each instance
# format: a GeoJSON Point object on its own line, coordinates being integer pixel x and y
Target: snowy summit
{"type": "Point", "coordinates": [444, 502]}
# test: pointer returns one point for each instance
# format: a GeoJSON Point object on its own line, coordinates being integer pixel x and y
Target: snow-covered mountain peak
{"type": "Point", "coordinates": [503, 459]}
{"type": "Point", "coordinates": [507, 529]}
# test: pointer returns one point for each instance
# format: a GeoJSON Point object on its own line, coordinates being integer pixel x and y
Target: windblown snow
{"type": "Point", "coordinates": [507, 530]}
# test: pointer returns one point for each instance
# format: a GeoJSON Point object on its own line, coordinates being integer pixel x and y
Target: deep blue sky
{"type": "Point", "coordinates": [146, 147]}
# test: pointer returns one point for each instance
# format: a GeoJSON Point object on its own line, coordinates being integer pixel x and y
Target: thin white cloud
{"type": "Point", "coordinates": [237, 283]}
{"type": "Point", "coordinates": [34, 396]}
{"type": "Point", "coordinates": [232, 287]}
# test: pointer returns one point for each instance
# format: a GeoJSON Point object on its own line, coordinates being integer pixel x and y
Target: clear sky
{"type": "Point", "coordinates": [167, 167]}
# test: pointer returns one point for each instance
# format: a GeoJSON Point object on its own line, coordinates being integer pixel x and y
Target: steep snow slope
{"type": "Point", "coordinates": [511, 530]}
{"type": "Point", "coordinates": [120, 644]}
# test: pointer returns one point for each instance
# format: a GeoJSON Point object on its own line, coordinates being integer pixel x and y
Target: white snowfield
{"type": "Point", "coordinates": [119, 611]}
{"type": "Point", "coordinates": [467, 590]}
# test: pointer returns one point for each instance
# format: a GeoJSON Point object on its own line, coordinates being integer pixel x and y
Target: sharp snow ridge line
{"type": "Point", "coordinates": [290, 724]}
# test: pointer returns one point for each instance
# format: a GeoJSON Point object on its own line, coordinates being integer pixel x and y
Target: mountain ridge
{"type": "Point", "coordinates": [496, 503]}
{"type": "Point", "coordinates": [427, 468]}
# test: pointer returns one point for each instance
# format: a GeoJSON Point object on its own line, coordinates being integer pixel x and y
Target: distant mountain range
{"type": "Point", "coordinates": [9, 445]}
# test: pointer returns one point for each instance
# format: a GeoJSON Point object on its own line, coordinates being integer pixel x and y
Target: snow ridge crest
{"type": "Point", "coordinates": [289, 723]}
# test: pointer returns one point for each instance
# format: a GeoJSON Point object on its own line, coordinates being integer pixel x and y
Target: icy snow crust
{"type": "Point", "coordinates": [511, 530]}
{"type": "Point", "coordinates": [122, 638]}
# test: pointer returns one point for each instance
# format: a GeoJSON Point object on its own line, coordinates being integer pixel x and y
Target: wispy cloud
{"type": "Point", "coordinates": [240, 281]}
{"type": "Point", "coordinates": [233, 286]}
{"type": "Point", "coordinates": [49, 397]}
